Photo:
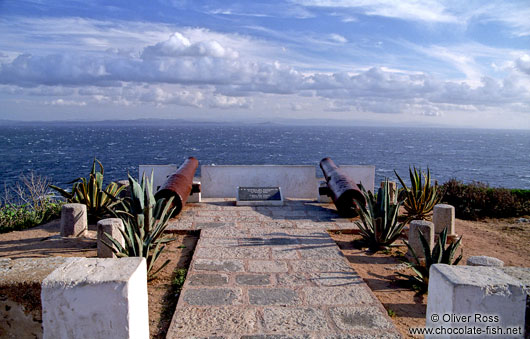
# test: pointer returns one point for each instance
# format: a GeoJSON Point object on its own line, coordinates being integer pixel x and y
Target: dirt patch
{"type": "Point", "coordinates": [162, 296]}
{"type": "Point", "coordinates": [504, 239]}
{"type": "Point", "coordinates": [45, 241]}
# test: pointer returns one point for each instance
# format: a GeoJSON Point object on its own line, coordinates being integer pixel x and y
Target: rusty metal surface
{"type": "Point", "coordinates": [179, 184]}
{"type": "Point", "coordinates": [343, 191]}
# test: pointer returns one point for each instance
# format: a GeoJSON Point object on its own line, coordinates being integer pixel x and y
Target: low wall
{"type": "Point", "coordinates": [222, 181]}
{"type": "Point", "coordinates": [73, 298]}
{"type": "Point", "coordinates": [296, 181]}
{"type": "Point", "coordinates": [160, 173]}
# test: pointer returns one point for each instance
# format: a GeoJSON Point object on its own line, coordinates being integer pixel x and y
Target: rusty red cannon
{"type": "Point", "coordinates": [180, 184]}
{"type": "Point", "coordinates": [341, 189]}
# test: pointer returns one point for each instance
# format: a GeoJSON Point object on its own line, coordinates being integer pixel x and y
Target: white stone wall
{"type": "Point", "coordinates": [364, 174]}
{"type": "Point", "coordinates": [296, 181]}
{"type": "Point", "coordinates": [160, 173]}
{"type": "Point", "coordinates": [222, 181]}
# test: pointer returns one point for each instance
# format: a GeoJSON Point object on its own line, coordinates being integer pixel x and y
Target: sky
{"type": "Point", "coordinates": [443, 63]}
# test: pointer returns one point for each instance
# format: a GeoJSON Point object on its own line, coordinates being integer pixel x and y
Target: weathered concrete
{"type": "Point", "coordinates": [112, 227]}
{"type": "Point", "coordinates": [427, 230]}
{"type": "Point", "coordinates": [482, 260]}
{"type": "Point", "coordinates": [261, 275]}
{"type": "Point", "coordinates": [468, 291]}
{"type": "Point", "coordinates": [96, 298]}
{"type": "Point", "coordinates": [444, 217]}
{"type": "Point", "coordinates": [74, 220]}
{"type": "Point", "coordinates": [20, 289]}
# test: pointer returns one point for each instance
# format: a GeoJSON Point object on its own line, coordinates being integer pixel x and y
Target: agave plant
{"type": "Point", "coordinates": [421, 197]}
{"type": "Point", "coordinates": [144, 219]}
{"type": "Point", "coordinates": [89, 191]}
{"type": "Point", "coordinates": [439, 255]}
{"type": "Point", "coordinates": [379, 224]}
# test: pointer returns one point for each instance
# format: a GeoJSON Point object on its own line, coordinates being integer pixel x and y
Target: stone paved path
{"type": "Point", "coordinates": [272, 272]}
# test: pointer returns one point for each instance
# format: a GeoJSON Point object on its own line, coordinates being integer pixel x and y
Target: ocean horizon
{"type": "Point", "coordinates": [64, 151]}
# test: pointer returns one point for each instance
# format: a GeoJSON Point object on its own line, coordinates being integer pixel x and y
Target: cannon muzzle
{"type": "Point", "coordinates": [179, 184]}
{"type": "Point", "coordinates": [343, 191]}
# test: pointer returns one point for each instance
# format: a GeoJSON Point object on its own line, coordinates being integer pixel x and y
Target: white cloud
{"type": "Point", "coordinates": [428, 10]}
{"type": "Point", "coordinates": [338, 38]}
{"type": "Point", "coordinates": [199, 68]}
{"type": "Point", "coordinates": [523, 64]}
{"type": "Point", "coordinates": [61, 102]}
{"type": "Point", "coordinates": [179, 45]}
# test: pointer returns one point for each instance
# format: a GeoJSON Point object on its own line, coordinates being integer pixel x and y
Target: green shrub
{"type": "Point", "coordinates": [439, 255]}
{"type": "Point", "coordinates": [180, 278]}
{"type": "Point", "coordinates": [145, 220]}
{"type": "Point", "coordinates": [27, 204]}
{"type": "Point", "coordinates": [379, 224]}
{"type": "Point", "coordinates": [421, 197]}
{"type": "Point", "coordinates": [89, 191]}
{"type": "Point", "coordinates": [476, 200]}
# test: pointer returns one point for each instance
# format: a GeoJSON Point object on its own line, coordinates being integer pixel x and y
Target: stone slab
{"type": "Point", "coordinates": [273, 296]}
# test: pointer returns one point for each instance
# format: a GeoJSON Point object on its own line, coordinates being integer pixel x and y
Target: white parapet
{"type": "Point", "coordinates": [160, 173]}
{"type": "Point", "coordinates": [222, 181]}
{"type": "Point", "coordinates": [476, 298]}
{"type": "Point", "coordinates": [96, 298]}
{"type": "Point", "coordinates": [361, 174]}
{"type": "Point", "coordinates": [296, 181]}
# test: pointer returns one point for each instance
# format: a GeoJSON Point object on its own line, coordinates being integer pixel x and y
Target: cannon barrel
{"type": "Point", "coordinates": [343, 191]}
{"type": "Point", "coordinates": [179, 184]}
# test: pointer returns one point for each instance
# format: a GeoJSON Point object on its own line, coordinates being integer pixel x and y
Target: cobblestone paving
{"type": "Point", "coordinates": [272, 272]}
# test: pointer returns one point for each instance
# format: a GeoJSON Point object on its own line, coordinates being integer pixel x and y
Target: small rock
{"type": "Point", "coordinates": [522, 220]}
{"type": "Point", "coordinates": [482, 260]}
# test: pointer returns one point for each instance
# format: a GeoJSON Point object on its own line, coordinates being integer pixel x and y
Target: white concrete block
{"type": "Point", "coordinates": [160, 173]}
{"type": "Point", "coordinates": [444, 216]}
{"type": "Point", "coordinates": [475, 296]}
{"type": "Point", "coordinates": [295, 181]}
{"type": "Point", "coordinates": [74, 220]}
{"type": "Point", "coordinates": [427, 229]}
{"type": "Point", "coordinates": [111, 226]}
{"type": "Point", "coordinates": [96, 298]}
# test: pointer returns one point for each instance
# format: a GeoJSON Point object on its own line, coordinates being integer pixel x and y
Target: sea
{"type": "Point", "coordinates": [65, 151]}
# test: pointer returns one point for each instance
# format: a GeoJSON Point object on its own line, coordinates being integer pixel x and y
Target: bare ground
{"type": "Point", "coordinates": [504, 239]}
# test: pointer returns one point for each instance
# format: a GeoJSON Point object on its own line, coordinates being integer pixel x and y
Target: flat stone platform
{"type": "Point", "coordinates": [272, 272]}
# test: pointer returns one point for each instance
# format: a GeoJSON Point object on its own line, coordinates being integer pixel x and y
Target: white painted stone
{"type": "Point", "coordinates": [444, 216]}
{"type": "Point", "coordinates": [221, 181]}
{"type": "Point", "coordinates": [427, 229]}
{"type": "Point", "coordinates": [160, 173]}
{"type": "Point", "coordinates": [74, 220]}
{"type": "Point", "coordinates": [475, 290]}
{"type": "Point", "coordinates": [111, 226]}
{"type": "Point", "coordinates": [295, 181]}
{"type": "Point", "coordinates": [96, 298]}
